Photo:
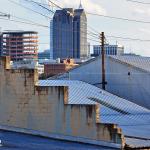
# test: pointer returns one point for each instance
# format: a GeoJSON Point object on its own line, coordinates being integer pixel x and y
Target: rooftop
{"type": "Point", "coordinates": [19, 31]}
{"type": "Point", "coordinates": [133, 119]}
{"type": "Point", "coordinates": [135, 61]}
{"type": "Point", "coordinates": [20, 141]}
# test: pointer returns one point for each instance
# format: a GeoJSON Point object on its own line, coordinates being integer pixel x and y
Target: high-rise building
{"type": "Point", "coordinates": [69, 33]}
{"type": "Point", "coordinates": [19, 45]}
{"type": "Point", "coordinates": [109, 50]}
{"type": "Point", "coordinates": [51, 39]}
{"type": "Point", "coordinates": [80, 33]}
{"type": "Point", "coordinates": [63, 33]}
{"type": "Point", "coordinates": [1, 44]}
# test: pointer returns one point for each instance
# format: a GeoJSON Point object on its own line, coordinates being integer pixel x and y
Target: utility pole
{"type": "Point", "coordinates": [103, 60]}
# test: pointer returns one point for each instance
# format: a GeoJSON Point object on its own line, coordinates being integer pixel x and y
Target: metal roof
{"type": "Point", "coordinates": [136, 61]}
{"type": "Point", "coordinates": [139, 62]}
{"type": "Point", "coordinates": [136, 143]}
{"type": "Point", "coordinates": [132, 118]}
{"type": "Point", "coordinates": [19, 141]}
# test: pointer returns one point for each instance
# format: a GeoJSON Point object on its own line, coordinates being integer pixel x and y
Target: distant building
{"type": "Point", "coordinates": [69, 32]}
{"type": "Point", "coordinates": [1, 44]}
{"type": "Point", "coordinates": [44, 55]}
{"type": "Point", "coordinates": [28, 64]}
{"type": "Point", "coordinates": [89, 49]}
{"type": "Point", "coordinates": [109, 50]}
{"type": "Point", "coordinates": [19, 45]}
{"type": "Point", "coordinates": [80, 33]}
{"type": "Point", "coordinates": [52, 69]}
{"type": "Point", "coordinates": [63, 34]}
{"type": "Point", "coordinates": [51, 39]}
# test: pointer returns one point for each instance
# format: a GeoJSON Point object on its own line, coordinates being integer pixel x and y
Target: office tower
{"type": "Point", "coordinates": [1, 44]}
{"type": "Point", "coordinates": [69, 33]}
{"type": "Point", "coordinates": [80, 33]}
{"type": "Point", "coordinates": [63, 34]}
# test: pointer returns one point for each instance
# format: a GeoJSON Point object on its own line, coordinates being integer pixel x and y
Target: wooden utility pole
{"type": "Point", "coordinates": [103, 60]}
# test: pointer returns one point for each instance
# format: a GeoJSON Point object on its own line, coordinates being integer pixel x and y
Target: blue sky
{"type": "Point", "coordinates": [118, 8]}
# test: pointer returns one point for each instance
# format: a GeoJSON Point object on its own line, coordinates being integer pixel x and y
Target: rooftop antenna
{"type": "Point", "coordinates": [80, 6]}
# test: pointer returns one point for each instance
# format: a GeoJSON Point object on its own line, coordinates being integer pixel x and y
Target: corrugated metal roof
{"type": "Point", "coordinates": [137, 61]}
{"type": "Point", "coordinates": [133, 119]}
{"type": "Point", "coordinates": [136, 143]}
{"type": "Point", "coordinates": [140, 62]}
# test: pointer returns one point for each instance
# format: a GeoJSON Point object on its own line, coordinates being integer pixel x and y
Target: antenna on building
{"type": "Point", "coordinates": [80, 6]}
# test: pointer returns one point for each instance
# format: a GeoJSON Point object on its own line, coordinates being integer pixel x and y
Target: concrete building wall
{"type": "Point", "coordinates": [46, 109]}
{"type": "Point", "coordinates": [122, 79]}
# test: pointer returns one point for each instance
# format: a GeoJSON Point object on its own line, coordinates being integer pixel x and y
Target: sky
{"type": "Point", "coordinates": [116, 8]}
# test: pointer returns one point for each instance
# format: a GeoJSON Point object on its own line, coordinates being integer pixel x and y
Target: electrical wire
{"type": "Point", "coordinates": [119, 18]}
{"type": "Point", "coordinates": [39, 4]}
{"type": "Point", "coordinates": [40, 13]}
{"type": "Point", "coordinates": [127, 38]}
{"type": "Point", "coordinates": [37, 12]}
{"type": "Point", "coordinates": [118, 37]}
{"type": "Point", "coordinates": [23, 22]}
{"type": "Point", "coordinates": [140, 2]}
{"type": "Point", "coordinates": [95, 32]}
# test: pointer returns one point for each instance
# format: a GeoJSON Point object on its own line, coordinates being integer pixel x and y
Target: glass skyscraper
{"type": "Point", "coordinates": [69, 33]}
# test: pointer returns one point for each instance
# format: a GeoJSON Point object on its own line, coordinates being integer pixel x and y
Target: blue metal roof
{"type": "Point", "coordinates": [20, 141]}
{"type": "Point", "coordinates": [136, 61]}
{"type": "Point", "coordinates": [132, 118]}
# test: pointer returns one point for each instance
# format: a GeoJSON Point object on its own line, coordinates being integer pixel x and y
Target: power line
{"type": "Point", "coordinates": [41, 25]}
{"type": "Point", "coordinates": [30, 21]}
{"type": "Point", "coordinates": [23, 22]}
{"type": "Point", "coordinates": [128, 38]}
{"type": "Point", "coordinates": [119, 18]}
{"type": "Point", "coordinates": [51, 10]}
{"type": "Point", "coordinates": [55, 4]}
{"type": "Point", "coordinates": [58, 6]}
{"type": "Point", "coordinates": [37, 12]}
{"type": "Point", "coordinates": [126, 19]}
{"type": "Point", "coordinates": [93, 34]}
{"type": "Point", "coordinates": [140, 2]}
{"type": "Point", "coordinates": [39, 4]}
{"type": "Point", "coordinates": [113, 36]}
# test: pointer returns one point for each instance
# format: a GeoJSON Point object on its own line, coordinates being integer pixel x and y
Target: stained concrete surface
{"type": "Point", "coordinates": [18, 141]}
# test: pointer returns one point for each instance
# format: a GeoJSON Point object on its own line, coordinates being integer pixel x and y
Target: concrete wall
{"type": "Point", "coordinates": [24, 105]}
{"type": "Point", "coordinates": [122, 79]}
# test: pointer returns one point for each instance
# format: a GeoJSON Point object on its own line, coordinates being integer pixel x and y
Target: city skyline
{"type": "Point", "coordinates": [108, 25]}
{"type": "Point", "coordinates": [74, 73]}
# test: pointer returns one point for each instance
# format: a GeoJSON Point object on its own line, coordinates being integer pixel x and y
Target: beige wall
{"type": "Point", "coordinates": [24, 105]}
